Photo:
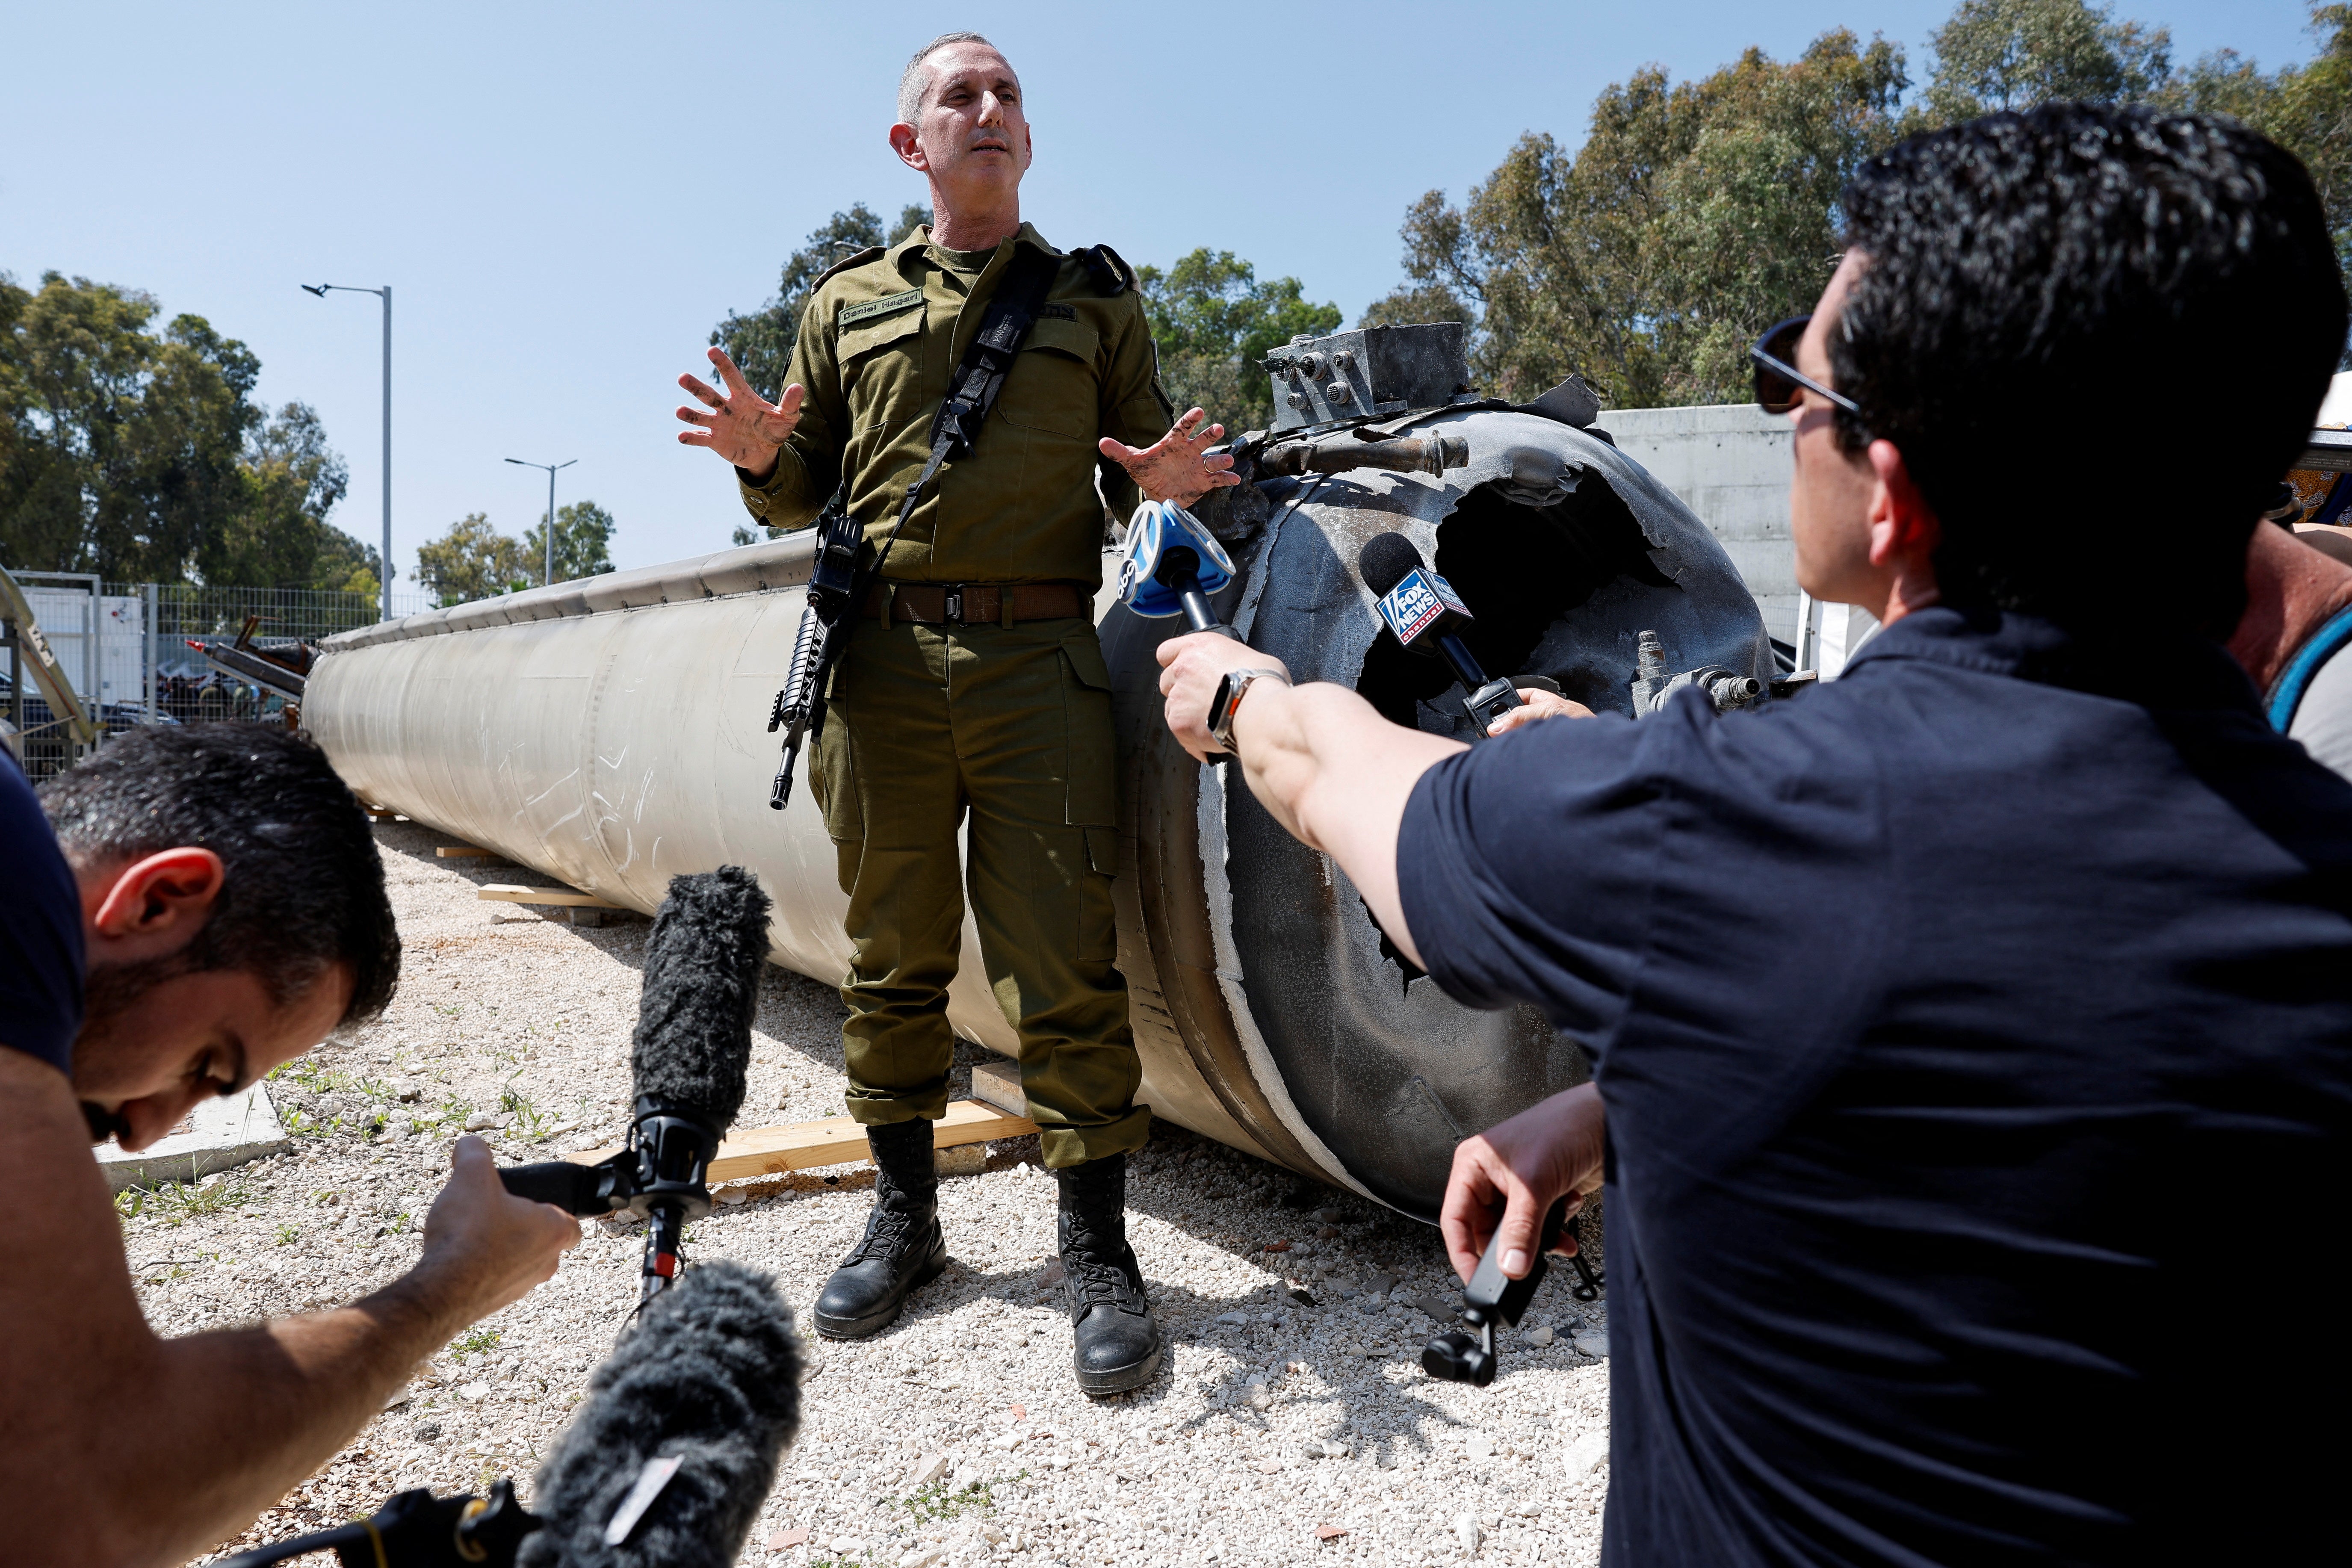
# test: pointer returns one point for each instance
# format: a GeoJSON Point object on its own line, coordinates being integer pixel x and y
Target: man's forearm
{"type": "Point", "coordinates": [1337, 776]}
{"type": "Point", "coordinates": [268, 1404]}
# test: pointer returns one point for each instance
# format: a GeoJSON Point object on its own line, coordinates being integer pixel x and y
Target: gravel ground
{"type": "Point", "coordinates": [1293, 1420]}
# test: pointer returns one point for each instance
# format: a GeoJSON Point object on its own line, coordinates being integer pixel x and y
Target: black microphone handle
{"type": "Point", "coordinates": [569, 1186]}
{"type": "Point", "coordinates": [1180, 570]}
{"type": "Point", "coordinates": [1197, 609]}
{"type": "Point", "coordinates": [1485, 700]}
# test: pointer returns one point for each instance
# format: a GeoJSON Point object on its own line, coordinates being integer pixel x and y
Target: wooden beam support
{"type": "Point", "coordinates": [836, 1141]}
{"type": "Point", "coordinates": [567, 898]}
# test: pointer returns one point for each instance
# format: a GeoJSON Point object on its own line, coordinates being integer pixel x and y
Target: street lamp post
{"type": "Point", "coordinates": [322, 290]}
{"type": "Point", "coordinates": [548, 579]}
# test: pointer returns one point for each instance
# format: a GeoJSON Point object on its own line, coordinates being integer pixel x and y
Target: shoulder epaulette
{"type": "Point", "coordinates": [1109, 270]}
{"type": "Point", "coordinates": [871, 253]}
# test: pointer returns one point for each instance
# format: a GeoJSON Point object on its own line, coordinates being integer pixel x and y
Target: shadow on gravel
{"type": "Point", "coordinates": [1334, 1243]}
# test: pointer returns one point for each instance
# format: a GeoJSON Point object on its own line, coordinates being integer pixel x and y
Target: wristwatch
{"type": "Point", "coordinates": [1229, 698]}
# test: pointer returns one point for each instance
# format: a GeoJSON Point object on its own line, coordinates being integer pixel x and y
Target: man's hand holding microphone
{"type": "Point", "coordinates": [484, 1247]}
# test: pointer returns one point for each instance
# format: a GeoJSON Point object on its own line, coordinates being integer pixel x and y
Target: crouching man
{"type": "Point", "coordinates": [209, 905]}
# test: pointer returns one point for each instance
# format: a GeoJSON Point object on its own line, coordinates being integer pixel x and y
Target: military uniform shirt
{"type": "Point", "coordinates": [878, 348]}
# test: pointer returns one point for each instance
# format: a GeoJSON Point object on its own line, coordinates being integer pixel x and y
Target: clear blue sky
{"type": "Point", "coordinates": [566, 198]}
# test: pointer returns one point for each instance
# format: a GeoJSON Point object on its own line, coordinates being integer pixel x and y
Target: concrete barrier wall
{"type": "Point", "coordinates": [1728, 463]}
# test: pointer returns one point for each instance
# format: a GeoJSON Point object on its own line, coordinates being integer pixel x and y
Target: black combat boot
{"type": "Point", "coordinates": [1117, 1341]}
{"type": "Point", "coordinates": [902, 1250]}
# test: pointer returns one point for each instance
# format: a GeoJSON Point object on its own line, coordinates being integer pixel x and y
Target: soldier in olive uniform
{"type": "Point", "coordinates": [975, 682]}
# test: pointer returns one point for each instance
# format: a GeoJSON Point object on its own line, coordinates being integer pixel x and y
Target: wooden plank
{"type": "Point", "coordinates": [465, 852]}
{"type": "Point", "coordinates": [836, 1141]}
{"type": "Point", "coordinates": [514, 893]}
{"type": "Point", "coordinates": [998, 1081]}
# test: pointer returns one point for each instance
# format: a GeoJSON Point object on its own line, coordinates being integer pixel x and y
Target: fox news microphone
{"type": "Point", "coordinates": [1427, 616]}
{"type": "Point", "coordinates": [1172, 566]}
{"type": "Point", "coordinates": [665, 1464]}
{"type": "Point", "coordinates": [693, 1050]}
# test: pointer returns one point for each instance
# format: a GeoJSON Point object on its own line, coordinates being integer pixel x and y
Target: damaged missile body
{"type": "Point", "coordinates": [613, 732]}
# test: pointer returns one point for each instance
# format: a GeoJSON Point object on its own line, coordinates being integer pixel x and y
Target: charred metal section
{"type": "Point", "coordinates": [1567, 552]}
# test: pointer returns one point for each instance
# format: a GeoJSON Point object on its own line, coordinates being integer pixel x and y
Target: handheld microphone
{"type": "Point", "coordinates": [1421, 608]}
{"type": "Point", "coordinates": [674, 1451]}
{"type": "Point", "coordinates": [1172, 566]}
{"type": "Point", "coordinates": [1493, 1296]}
{"type": "Point", "coordinates": [693, 1050]}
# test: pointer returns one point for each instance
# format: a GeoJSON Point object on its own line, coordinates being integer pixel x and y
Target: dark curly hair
{"type": "Point", "coordinates": [303, 888]}
{"type": "Point", "coordinates": [2079, 292]}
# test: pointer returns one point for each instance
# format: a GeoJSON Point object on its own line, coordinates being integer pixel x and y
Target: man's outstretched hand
{"type": "Point", "coordinates": [743, 427]}
{"type": "Point", "coordinates": [1176, 468]}
{"type": "Point", "coordinates": [1523, 1166]}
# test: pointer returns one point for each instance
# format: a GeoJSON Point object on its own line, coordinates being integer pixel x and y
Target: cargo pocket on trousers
{"type": "Point", "coordinates": [1097, 915]}
{"type": "Point", "coordinates": [836, 783]}
{"type": "Point", "coordinates": [1091, 770]}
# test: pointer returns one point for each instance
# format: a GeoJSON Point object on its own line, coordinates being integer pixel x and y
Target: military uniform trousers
{"type": "Point", "coordinates": [1011, 723]}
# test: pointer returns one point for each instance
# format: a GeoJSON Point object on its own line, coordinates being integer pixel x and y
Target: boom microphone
{"type": "Point", "coordinates": [692, 1050]}
{"type": "Point", "coordinates": [672, 1455]}
{"type": "Point", "coordinates": [666, 1463]}
{"type": "Point", "coordinates": [1421, 608]}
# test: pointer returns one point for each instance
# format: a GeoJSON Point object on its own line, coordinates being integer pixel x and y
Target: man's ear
{"type": "Point", "coordinates": [910, 148]}
{"type": "Point", "coordinates": [1902, 526]}
{"type": "Point", "coordinates": [156, 905]}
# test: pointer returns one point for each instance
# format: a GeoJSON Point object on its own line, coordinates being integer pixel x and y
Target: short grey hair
{"type": "Point", "coordinates": [915, 81]}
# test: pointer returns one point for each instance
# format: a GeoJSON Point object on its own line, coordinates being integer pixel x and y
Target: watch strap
{"type": "Point", "coordinates": [1228, 698]}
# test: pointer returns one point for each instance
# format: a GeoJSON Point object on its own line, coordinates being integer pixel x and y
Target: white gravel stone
{"type": "Point", "coordinates": [1466, 1533]}
{"type": "Point", "coordinates": [1586, 1454]}
{"type": "Point", "coordinates": [1184, 1472]}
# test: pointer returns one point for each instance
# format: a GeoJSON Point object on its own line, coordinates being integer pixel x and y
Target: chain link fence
{"type": "Point", "coordinates": [126, 650]}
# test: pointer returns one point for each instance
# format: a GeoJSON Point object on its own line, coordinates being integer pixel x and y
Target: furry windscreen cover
{"type": "Point", "coordinates": [693, 1043]}
{"type": "Point", "coordinates": [710, 1376]}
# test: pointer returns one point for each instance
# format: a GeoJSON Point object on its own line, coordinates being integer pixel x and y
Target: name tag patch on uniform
{"type": "Point", "coordinates": [851, 314]}
{"type": "Point", "coordinates": [1057, 313]}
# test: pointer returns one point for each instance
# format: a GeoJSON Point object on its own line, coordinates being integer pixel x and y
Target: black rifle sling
{"type": "Point", "coordinates": [987, 361]}
{"type": "Point", "coordinates": [979, 378]}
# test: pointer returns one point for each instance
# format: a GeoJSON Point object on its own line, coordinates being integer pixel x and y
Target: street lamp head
{"type": "Point", "coordinates": [520, 463]}
{"type": "Point", "coordinates": [320, 289]}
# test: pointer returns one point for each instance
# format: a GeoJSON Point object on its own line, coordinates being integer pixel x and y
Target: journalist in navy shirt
{"type": "Point", "coordinates": [40, 930]}
{"type": "Point", "coordinates": [1972, 1035]}
{"type": "Point", "coordinates": [1975, 1036]}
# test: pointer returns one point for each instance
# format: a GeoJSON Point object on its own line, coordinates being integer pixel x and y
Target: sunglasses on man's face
{"type": "Point", "coordinates": [1779, 384]}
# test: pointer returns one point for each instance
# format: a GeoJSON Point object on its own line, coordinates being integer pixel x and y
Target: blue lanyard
{"type": "Point", "coordinates": [2286, 696]}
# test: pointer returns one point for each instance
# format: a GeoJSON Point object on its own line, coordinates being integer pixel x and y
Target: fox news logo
{"type": "Point", "coordinates": [1414, 605]}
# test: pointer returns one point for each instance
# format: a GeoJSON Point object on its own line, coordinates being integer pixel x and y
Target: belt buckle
{"type": "Point", "coordinates": [951, 603]}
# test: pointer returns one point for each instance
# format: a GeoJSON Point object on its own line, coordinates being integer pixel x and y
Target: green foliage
{"type": "Point", "coordinates": [480, 1340]}
{"type": "Point", "coordinates": [583, 535]}
{"type": "Point", "coordinates": [141, 454]}
{"type": "Point", "coordinates": [176, 1202]}
{"type": "Point", "coordinates": [1410, 305]}
{"type": "Point", "coordinates": [936, 1504]}
{"type": "Point", "coordinates": [1697, 214]}
{"type": "Point", "coordinates": [2013, 54]}
{"type": "Point", "coordinates": [1694, 216]}
{"type": "Point", "coordinates": [760, 343]}
{"type": "Point", "coordinates": [2306, 109]}
{"type": "Point", "coordinates": [1213, 321]}
{"type": "Point", "coordinates": [472, 560]}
